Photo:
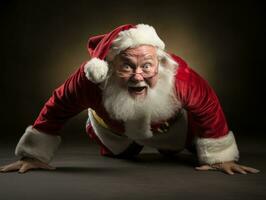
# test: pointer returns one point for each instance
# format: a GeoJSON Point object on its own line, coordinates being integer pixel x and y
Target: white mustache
{"type": "Point", "coordinates": [139, 84]}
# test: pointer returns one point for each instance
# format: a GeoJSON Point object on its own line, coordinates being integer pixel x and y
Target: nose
{"type": "Point", "coordinates": [137, 75]}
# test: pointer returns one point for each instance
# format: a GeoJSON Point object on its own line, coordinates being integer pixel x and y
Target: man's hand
{"type": "Point", "coordinates": [228, 167]}
{"type": "Point", "coordinates": [26, 164]}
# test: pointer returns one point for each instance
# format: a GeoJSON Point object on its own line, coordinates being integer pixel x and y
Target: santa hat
{"type": "Point", "coordinates": [111, 44]}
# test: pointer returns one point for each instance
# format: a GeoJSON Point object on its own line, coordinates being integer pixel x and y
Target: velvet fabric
{"type": "Point", "coordinates": [99, 46]}
{"type": "Point", "coordinates": [205, 116]}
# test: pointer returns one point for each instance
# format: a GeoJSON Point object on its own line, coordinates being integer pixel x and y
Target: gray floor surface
{"type": "Point", "coordinates": [82, 174]}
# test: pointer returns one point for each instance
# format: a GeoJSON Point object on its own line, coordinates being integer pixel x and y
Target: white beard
{"type": "Point", "coordinates": [159, 104]}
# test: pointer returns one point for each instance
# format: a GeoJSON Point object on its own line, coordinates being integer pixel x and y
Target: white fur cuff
{"type": "Point", "coordinates": [35, 144]}
{"type": "Point", "coordinates": [217, 150]}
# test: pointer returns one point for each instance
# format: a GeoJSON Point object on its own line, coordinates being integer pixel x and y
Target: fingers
{"type": "Point", "coordinates": [238, 169]}
{"type": "Point", "coordinates": [24, 168]}
{"type": "Point", "coordinates": [204, 168]}
{"type": "Point", "coordinates": [35, 165]}
{"type": "Point", "coordinates": [220, 167]}
{"type": "Point", "coordinates": [11, 167]}
{"type": "Point", "coordinates": [46, 166]}
{"type": "Point", "coordinates": [228, 170]}
{"type": "Point", "coordinates": [41, 165]}
{"type": "Point", "coordinates": [249, 169]}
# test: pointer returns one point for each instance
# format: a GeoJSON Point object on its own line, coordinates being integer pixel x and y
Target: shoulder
{"type": "Point", "coordinates": [188, 83]}
{"type": "Point", "coordinates": [184, 73]}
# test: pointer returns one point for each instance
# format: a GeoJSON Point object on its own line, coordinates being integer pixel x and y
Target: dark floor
{"type": "Point", "coordinates": [82, 174]}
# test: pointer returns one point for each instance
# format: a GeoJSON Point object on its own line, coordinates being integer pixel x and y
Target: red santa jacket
{"type": "Point", "coordinates": [206, 121]}
{"type": "Point", "coordinates": [205, 115]}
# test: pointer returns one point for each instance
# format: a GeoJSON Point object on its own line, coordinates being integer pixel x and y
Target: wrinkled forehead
{"type": "Point", "coordinates": [141, 52]}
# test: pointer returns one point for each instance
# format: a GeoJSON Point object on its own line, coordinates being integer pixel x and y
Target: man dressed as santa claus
{"type": "Point", "coordinates": [137, 95]}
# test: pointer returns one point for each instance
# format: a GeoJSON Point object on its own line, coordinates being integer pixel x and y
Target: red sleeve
{"type": "Point", "coordinates": [205, 114]}
{"type": "Point", "coordinates": [76, 94]}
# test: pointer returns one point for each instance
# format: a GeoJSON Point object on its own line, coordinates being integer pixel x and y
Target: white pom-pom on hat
{"type": "Point", "coordinates": [96, 70]}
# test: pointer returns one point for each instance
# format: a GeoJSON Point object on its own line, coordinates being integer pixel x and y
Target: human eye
{"type": "Point", "coordinates": [126, 67]}
{"type": "Point", "coordinates": [147, 66]}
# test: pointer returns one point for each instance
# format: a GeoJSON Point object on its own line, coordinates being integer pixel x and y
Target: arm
{"type": "Point", "coordinates": [215, 143]}
{"type": "Point", "coordinates": [41, 140]}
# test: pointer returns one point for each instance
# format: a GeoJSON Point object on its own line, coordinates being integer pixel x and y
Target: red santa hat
{"type": "Point", "coordinates": [104, 47]}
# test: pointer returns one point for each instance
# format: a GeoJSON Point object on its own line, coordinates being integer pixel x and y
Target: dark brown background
{"type": "Point", "coordinates": [42, 43]}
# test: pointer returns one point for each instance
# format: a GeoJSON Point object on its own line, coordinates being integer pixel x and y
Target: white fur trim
{"type": "Point", "coordinates": [35, 144]}
{"type": "Point", "coordinates": [117, 144]}
{"type": "Point", "coordinates": [217, 150]}
{"type": "Point", "coordinates": [96, 70]}
{"type": "Point", "coordinates": [141, 35]}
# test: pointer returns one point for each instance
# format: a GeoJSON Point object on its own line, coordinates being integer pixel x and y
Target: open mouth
{"type": "Point", "coordinates": [137, 89]}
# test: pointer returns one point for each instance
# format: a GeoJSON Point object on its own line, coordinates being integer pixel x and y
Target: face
{"type": "Point", "coordinates": [136, 70]}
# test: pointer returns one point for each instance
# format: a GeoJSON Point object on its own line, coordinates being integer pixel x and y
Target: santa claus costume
{"type": "Point", "coordinates": [181, 111]}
